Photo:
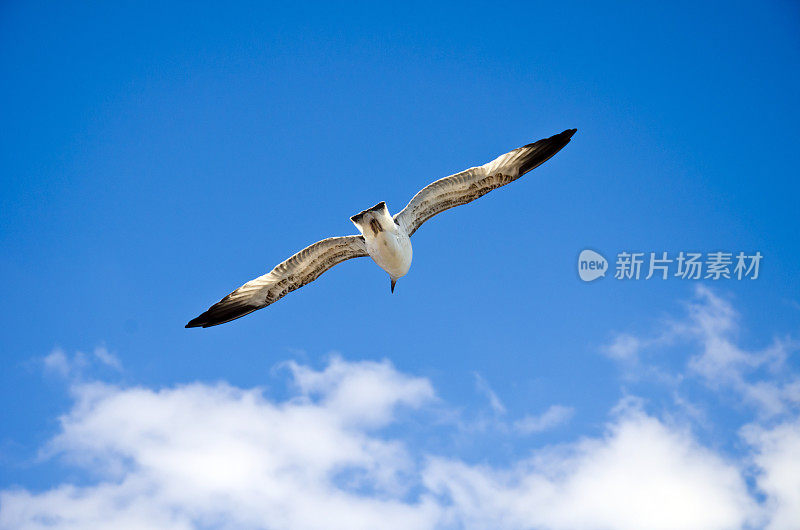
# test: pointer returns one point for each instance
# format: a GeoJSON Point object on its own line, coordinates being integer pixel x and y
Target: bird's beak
{"type": "Point", "coordinates": [393, 282]}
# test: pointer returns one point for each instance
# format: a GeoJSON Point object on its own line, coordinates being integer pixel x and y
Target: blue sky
{"type": "Point", "coordinates": [155, 157]}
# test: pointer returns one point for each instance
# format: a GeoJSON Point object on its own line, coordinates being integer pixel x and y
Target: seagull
{"type": "Point", "coordinates": [383, 237]}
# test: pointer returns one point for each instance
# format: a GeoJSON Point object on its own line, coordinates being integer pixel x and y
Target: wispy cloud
{"type": "Point", "coordinates": [706, 338]}
{"type": "Point", "coordinates": [107, 358]}
{"type": "Point", "coordinates": [624, 347]}
{"type": "Point", "coordinates": [484, 388]}
{"type": "Point", "coordinates": [74, 367]}
{"type": "Point", "coordinates": [57, 362]}
{"type": "Point", "coordinates": [552, 417]}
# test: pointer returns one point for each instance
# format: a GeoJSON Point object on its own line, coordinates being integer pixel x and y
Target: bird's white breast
{"type": "Point", "coordinates": [391, 250]}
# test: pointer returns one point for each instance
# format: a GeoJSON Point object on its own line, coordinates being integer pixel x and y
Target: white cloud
{"type": "Point", "coordinates": [641, 474]}
{"type": "Point", "coordinates": [363, 393]}
{"type": "Point", "coordinates": [217, 456]}
{"type": "Point", "coordinates": [763, 378]}
{"type": "Point", "coordinates": [553, 416]}
{"type": "Point", "coordinates": [777, 459]}
{"type": "Point", "coordinates": [198, 456]}
{"type": "Point", "coordinates": [721, 362]}
{"type": "Point", "coordinates": [708, 335]}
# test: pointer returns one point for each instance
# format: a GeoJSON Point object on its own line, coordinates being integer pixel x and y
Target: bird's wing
{"type": "Point", "coordinates": [302, 268]}
{"type": "Point", "coordinates": [475, 182]}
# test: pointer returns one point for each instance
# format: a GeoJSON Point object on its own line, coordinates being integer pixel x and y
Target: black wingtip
{"type": "Point", "coordinates": [222, 312]}
{"type": "Point", "coordinates": [393, 282]}
{"type": "Point", "coordinates": [197, 322]}
{"type": "Point", "coordinates": [545, 149]}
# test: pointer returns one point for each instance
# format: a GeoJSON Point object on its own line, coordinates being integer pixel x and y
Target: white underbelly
{"type": "Point", "coordinates": [392, 252]}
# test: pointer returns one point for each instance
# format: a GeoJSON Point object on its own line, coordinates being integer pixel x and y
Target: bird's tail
{"type": "Point", "coordinates": [373, 220]}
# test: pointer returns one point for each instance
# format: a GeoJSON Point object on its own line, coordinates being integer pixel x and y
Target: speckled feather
{"type": "Point", "coordinates": [297, 271]}
{"type": "Point", "coordinates": [476, 182]}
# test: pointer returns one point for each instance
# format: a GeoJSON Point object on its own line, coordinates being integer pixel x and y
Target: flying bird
{"type": "Point", "coordinates": [386, 239]}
